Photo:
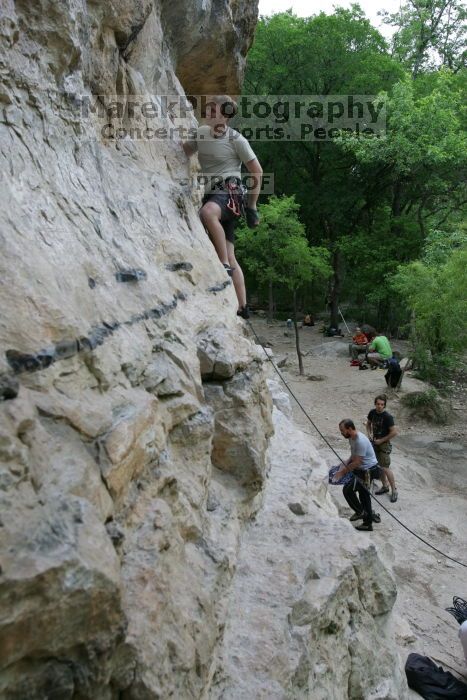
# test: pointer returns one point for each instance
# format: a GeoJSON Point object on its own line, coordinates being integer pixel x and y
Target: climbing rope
{"type": "Point", "coordinates": [325, 440]}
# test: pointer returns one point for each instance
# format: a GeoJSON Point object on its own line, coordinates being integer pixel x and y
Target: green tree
{"type": "Point", "coordinates": [370, 202]}
{"type": "Point", "coordinates": [340, 54]}
{"type": "Point", "coordinates": [277, 252]}
{"type": "Point", "coordinates": [413, 180]}
{"type": "Point", "coordinates": [434, 289]}
{"type": "Point", "coordinates": [430, 33]}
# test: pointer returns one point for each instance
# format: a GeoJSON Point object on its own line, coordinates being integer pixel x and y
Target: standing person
{"type": "Point", "coordinates": [221, 152]}
{"type": "Point", "coordinates": [378, 351]}
{"type": "Point", "coordinates": [364, 466]}
{"type": "Point", "coordinates": [381, 430]}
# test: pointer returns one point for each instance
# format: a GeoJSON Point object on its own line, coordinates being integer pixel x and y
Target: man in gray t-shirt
{"type": "Point", "coordinates": [363, 464]}
{"type": "Point", "coordinates": [221, 152]}
{"type": "Point", "coordinates": [360, 446]}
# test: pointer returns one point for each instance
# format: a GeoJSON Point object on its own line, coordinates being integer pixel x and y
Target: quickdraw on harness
{"type": "Point", "coordinates": [236, 192]}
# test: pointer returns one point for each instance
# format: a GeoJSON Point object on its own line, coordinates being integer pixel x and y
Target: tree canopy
{"type": "Point", "coordinates": [372, 201]}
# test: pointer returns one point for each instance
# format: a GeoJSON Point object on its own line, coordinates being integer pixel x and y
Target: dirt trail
{"type": "Point", "coordinates": [431, 474]}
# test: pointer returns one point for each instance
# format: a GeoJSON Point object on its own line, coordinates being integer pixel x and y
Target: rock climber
{"type": "Point", "coordinates": [381, 430]}
{"type": "Point", "coordinates": [364, 467]}
{"type": "Point", "coordinates": [221, 152]}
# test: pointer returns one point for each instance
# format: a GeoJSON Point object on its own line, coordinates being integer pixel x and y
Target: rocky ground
{"type": "Point", "coordinates": [431, 473]}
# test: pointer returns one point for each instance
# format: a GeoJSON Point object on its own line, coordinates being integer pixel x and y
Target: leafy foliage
{"type": "Point", "coordinates": [430, 33]}
{"type": "Point", "coordinates": [277, 250]}
{"type": "Point", "coordinates": [434, 288]}
{"type": "Point", "coordinates": [389, 209]}
{"type": "Point", "coordinates": [427, 405]}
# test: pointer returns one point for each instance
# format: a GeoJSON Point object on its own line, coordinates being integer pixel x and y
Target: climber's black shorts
{"type": "Point", "coordinates": [228, 219]}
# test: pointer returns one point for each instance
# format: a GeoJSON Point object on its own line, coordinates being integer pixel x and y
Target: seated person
{"type": "Point", "coordinates": [379, 350]}
{"type": "Point", "coordinates": [369, 331]}
{"type": "Point", "coordinates": [359, 344]}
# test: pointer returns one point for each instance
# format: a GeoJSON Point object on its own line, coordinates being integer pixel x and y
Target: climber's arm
{"type": "Point", "coordinates": [254, 167]}
{"type": "Point", "coordinates": [190, 147]}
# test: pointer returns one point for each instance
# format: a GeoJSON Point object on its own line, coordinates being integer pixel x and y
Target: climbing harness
{"type": "Point", "coordinates": [236, 191]}
{"type": "Point", "coordinates": [234, 204]}
{"type": "Point", "coordinates": [428, 544]}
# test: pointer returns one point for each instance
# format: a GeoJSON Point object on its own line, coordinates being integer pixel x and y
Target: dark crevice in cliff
{"type": "Point", "coordinates": [34, 362]}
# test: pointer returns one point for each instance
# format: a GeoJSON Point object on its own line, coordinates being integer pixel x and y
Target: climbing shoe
{"type": "Point", "coordinates": [365, 527]}
{"type": "Point", "coordinates": [228, 269]}
{"type": "Point", "coordinates": [252, 217]}
{"type": "Point", "coordinates": [383, 489]}
{"type": "Point", "coordinates": [356, 516]}
{"type": "Point", "coordinates": [394, 496]}
{"type": "Point", "coordinates": [244, 312]}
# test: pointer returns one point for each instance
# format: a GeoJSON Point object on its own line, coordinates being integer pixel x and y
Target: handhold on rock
{"type": "Point", "coordinates": [132, 275]}
{"type": "Point", "coordinates": [65, 349]}
{"type": "Point", "coordinates": [297, 509]}
{"type": "Point", "coordinates": [111, 325]}
{"type": "Point", "coordinates": [9, 388]}
{"type": "Point", "coordinates": [115, 533]}
{"type": "Point", "coordinates": [22, 362]}
{"type": "Point", "coordinates": [84, 344]}
{"type": "Point", "coordinates": [97, 336]}
{"type": "Point", "coordinates": [175, 267]}
{"type": "Point", "coordinates": [155, 313]}
{"type": "Point", "coordinates": [46, 357]}
{"type": "Point", "coordinates": [220, 287]}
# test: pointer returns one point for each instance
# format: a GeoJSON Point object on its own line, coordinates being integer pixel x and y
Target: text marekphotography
{"type": "Point", "coordinates": [259, 117]}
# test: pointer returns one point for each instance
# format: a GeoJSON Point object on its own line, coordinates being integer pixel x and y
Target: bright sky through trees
{"type": "Point", "coordinates": [305, 8]}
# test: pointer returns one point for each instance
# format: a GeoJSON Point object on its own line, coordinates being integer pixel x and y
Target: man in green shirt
{"type": "Point", "coordinates": [378, 351]}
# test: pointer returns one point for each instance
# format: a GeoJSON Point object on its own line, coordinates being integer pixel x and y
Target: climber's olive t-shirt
{"type": "Point", "coordinates": [222, 156]}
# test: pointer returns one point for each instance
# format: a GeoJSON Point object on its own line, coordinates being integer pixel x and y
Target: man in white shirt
{"type": "Point", "coordinates": [364, 467]}
{"type": "Point", "coordinates": [221, 152]}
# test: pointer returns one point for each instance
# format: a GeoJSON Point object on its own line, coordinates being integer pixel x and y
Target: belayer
{"type": "Point", "coordinates": [362, 465]}
{"type": "Point", "coordinates": [221, 152]}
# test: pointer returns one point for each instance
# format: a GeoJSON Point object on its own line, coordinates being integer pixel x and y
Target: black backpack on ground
{"type": "Point", "coordinates": [432, 682]}
{"type": "Point", "coordinates": [332, 332]}
{"type": "Point", "coordinates": [394, 372]}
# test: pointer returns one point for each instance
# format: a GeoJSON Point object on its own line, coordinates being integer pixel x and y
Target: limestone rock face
{"type": "Point", "coordinates": [135, 416]}
{"type": "Point", "coordinates": [209, 56]}
{"type": "Point", "coordinates": [309, 603]}
{"type": "Point", "coordinates": [118, 534]}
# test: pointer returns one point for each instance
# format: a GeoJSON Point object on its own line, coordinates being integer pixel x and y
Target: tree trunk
{"type": "Point", "coordinates": [271, 302]}
{"type": "Point", "coordinates": [397, 202]}
{"type": "Point", "coordinates": [297, 336]}
{"type": "Point", "coordinates": [335, 290]}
